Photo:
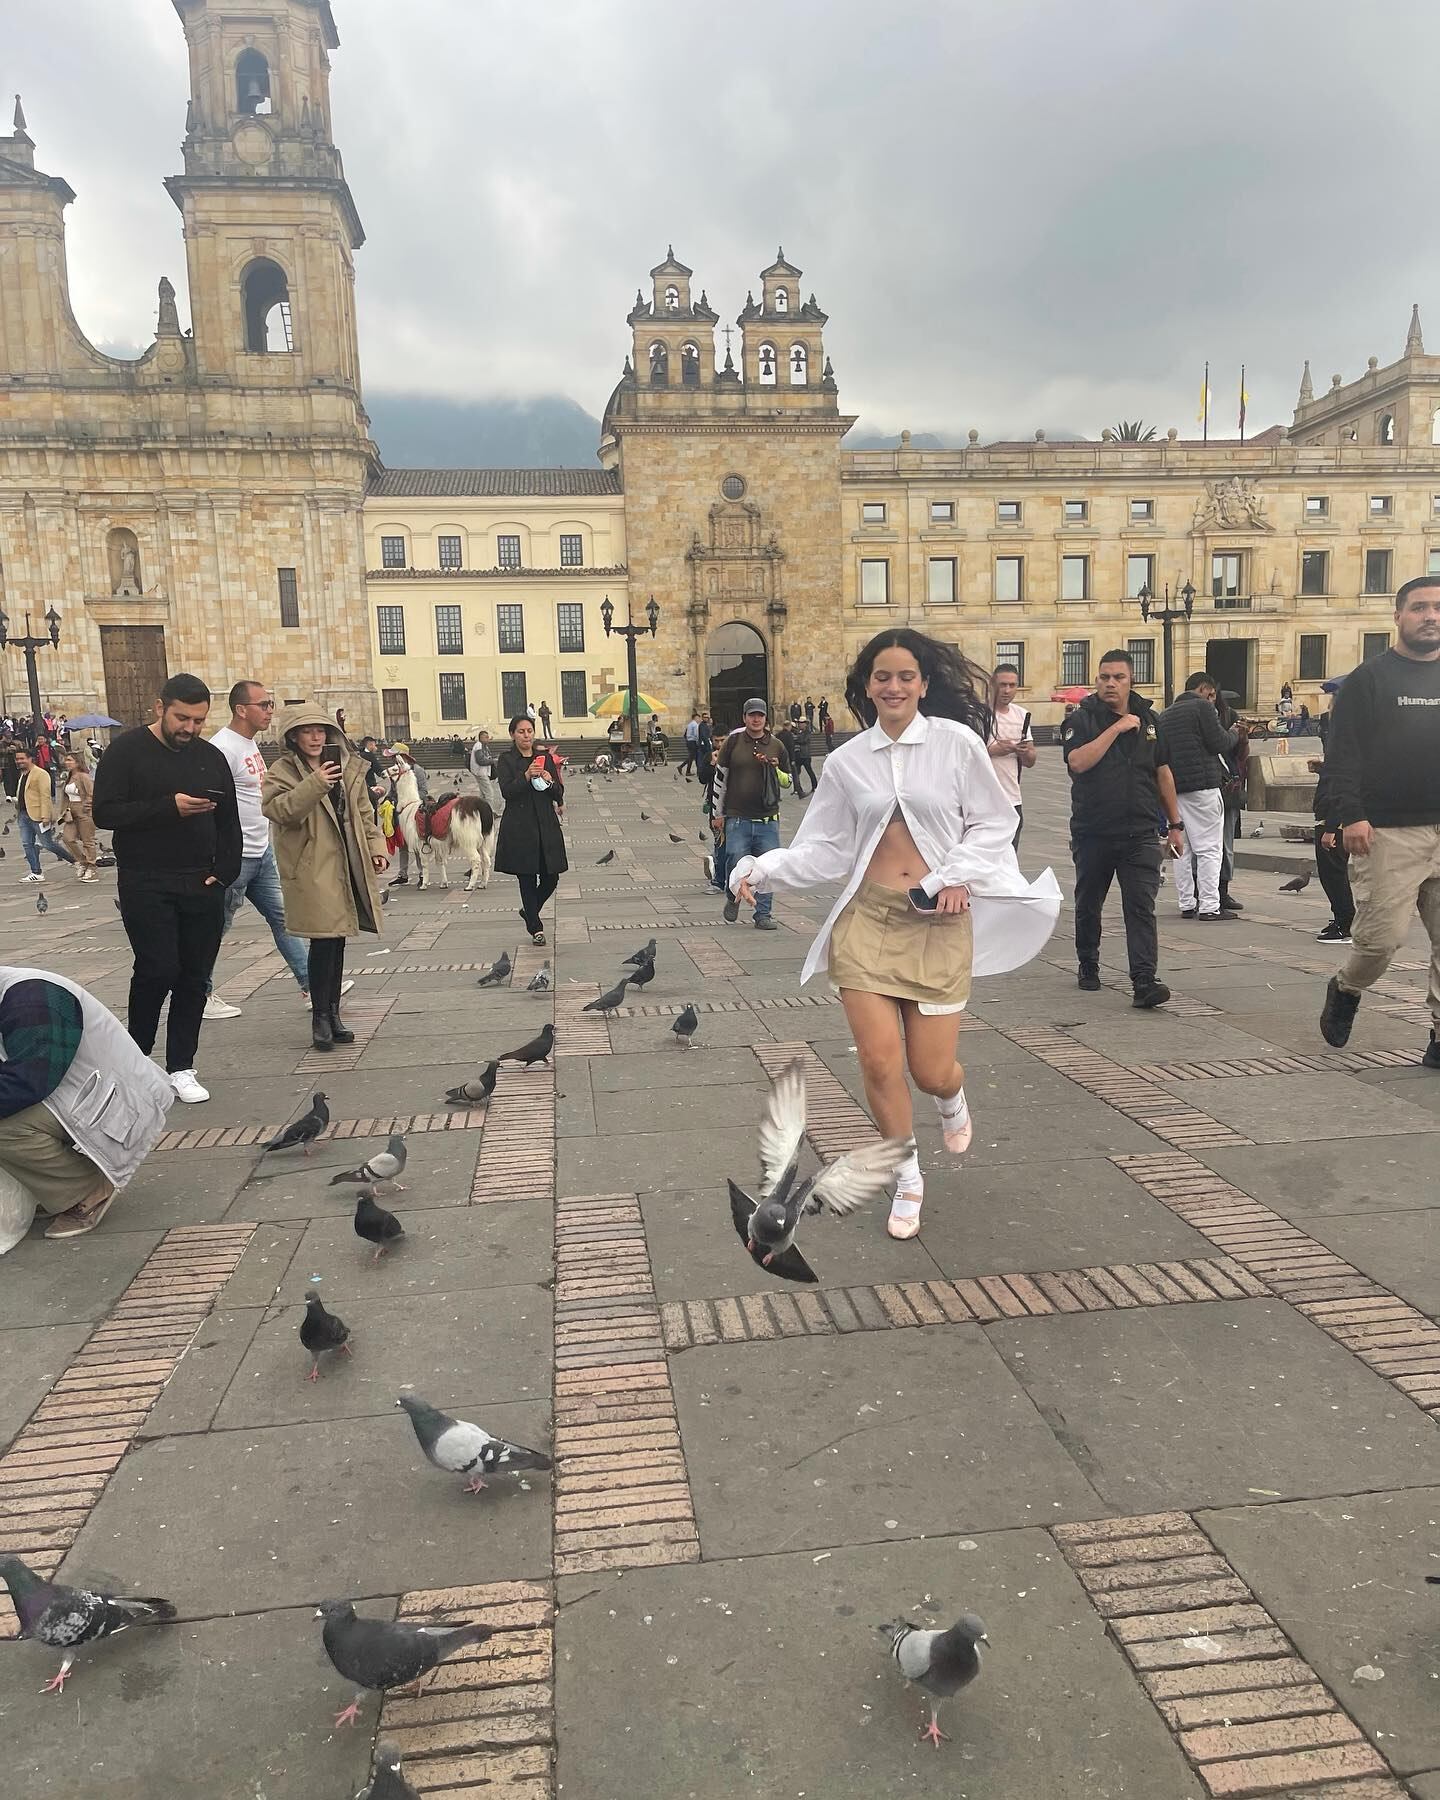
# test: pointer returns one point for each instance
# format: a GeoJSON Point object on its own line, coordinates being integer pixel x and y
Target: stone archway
{"type": "Point", "coordinates": [737, 667]}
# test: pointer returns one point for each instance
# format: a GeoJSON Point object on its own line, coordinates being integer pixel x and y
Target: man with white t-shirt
{"type": "Point", "coordinates": [251, 708]}
{"type": "Point", "coordinates": [1012, 748]}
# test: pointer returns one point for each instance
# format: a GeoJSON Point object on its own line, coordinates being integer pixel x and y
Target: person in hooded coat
{"type": "Point", "coordinates": [329, 851]}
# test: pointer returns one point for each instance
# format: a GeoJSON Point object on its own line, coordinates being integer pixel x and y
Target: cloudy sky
{"type": "Point", "coordinates": [1016, 212]}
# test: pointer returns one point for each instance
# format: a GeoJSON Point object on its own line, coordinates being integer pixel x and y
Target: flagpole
{"type": "Point", "coordinates": [1242, 403]}
{"type": "Point", "coordinates": [1205, 406]}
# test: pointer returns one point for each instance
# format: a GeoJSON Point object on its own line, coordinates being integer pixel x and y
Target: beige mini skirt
{"type": "Point", "coordinates": [882, 945]}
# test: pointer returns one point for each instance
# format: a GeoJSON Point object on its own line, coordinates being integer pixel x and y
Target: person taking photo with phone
{"type": "Point", "coordinates": [329, 851]}
{"type": "Point", "coordinates": [909, 815]}
{"type": "Point", "coordinates": [530, 845]}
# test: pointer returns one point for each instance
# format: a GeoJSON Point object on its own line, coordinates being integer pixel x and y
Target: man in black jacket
{"type": "Point", "coordinates": [168, 799]}
{"type": "Point", "coordinates": [1195, 740]}
{"type": "Point", "coordinates": [1383, 759]}
{"type": "Point", "coordinates": [1121, 794]}
{"type": "Point", "coordinates": [1332, 864]}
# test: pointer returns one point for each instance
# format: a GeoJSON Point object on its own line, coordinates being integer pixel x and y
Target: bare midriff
{"type": "Point", "coordinates": [897, 862]}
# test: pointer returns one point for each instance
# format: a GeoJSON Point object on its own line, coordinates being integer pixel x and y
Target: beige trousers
{"type": "Point", "coordinates": [77, 829]}
{"type": "Point", "coordinates": [1400, 876]}
{"type": "Point", "coordinates": [36, 1151]}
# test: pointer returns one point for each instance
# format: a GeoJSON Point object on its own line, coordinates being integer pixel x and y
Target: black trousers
{"type": "Point", "coordinates": [327, 971]}
{"type": "Point", "coordinates": [176, 938]}
{"type": "Point", "coordinates": [802, 765]}
{"type": "Point", "coordinates": [535, 890]}
{"type": "Point", "coordinates": [1135, 861]}
{"type": "Point", "coordinates": [1333, 868]}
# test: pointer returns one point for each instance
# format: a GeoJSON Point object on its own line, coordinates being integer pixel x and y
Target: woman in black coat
{"type": "Point", "coordinates": [531, 845]}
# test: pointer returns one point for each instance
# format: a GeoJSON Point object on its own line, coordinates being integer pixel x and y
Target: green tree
{"type": "Point", "coordinates": [1133, 431]}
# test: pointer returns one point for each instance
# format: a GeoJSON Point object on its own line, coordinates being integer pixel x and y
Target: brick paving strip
{"type": "Point", "coordinates": [1386, 1333]}
{"type": "Point", "coordinates": [249, 980]}
{"type": "Point", "coordinates": [1246, 1709]}
{"type": "Point", "coordinates": [517, 1145]}
{"type": "Point", "coordinates": [56, 1469]}
{"type": "Point", "coordinates": [622, 1492]}
{"type": "Point", "coordinates": [484, 1719]}
{"type": "Point", "coordinates": [364, 1017]}
{"type": "Point", "coordinates": [818, 1312]}
{"type": "Point", "coordinates": [242, 1137]}
{"type": "Point", "coordinates": [834, 1122]}
{"type": "Point", "coordinates": [711, 958]}
{"type": "Point", "coordinates": [1308, 1063]}
{"type": "Point", "coordinates": [577, 1032]}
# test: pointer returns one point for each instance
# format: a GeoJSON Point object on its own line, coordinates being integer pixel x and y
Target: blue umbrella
{"type": "Point", "coordinates": [92, 722]}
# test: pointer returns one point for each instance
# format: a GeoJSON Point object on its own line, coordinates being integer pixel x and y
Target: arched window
{"type": "Point", "coordinates": [265, 297]}
{"type": "Point", "coordinates": [782, 299]}
{"type": "Point", "coordinates": [659, 365]}
{"type": "Point", "coordinates": [672, 299]}
{"type": "Point", "coordinates": [689, 365]}
{"type": "Point", "coordinates": [1385, 430]}
{"type": "Point", "coordinates": [1435, 426]}
{"type": "Point", "coordinates": [799, 365]}
{"type": "Point", "coordinates": [252, 83]}
{"type": "Point", "coordinates": [767, 365]}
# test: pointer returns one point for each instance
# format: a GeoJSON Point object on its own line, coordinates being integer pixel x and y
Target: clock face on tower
{"type": "Point", "coordinates": [253, 145]}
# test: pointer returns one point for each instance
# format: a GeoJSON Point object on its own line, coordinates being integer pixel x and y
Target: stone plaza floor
{"type": "Point", "coordinates": [1155, 1392]}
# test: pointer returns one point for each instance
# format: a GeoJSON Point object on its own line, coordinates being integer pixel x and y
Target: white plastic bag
{"type": "Point", "coordinates": [17, 1211]}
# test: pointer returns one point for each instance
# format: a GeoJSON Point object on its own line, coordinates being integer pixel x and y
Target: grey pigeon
{"type": "Point", "coordinates": [709, 868]}
{"type": "Point", "coordinates": [2, 856]}
{"type": "Point", "coordinates": [498, 971]}
{"type": "Point", "coordinates": [643, 975]}
{"type": "Point", "coordinates": [686, 1026]}
{"type": "Point", "coordinates": [767, 1226]}
{"type": "Point", "coordinates": [539, 982]}
{"type": "Point", "coordinates": [379, 1654]}
{"type": "Point", "coordinates": [42, 905]}
{"type": "Point", "coordinates": [384, 1165]}
{"type": "Point", "coordinates": [640, 956]}
{"type": "Point", "coordinates": [646, 817]}
{"type": "Point", "coordinates": [375, 1225]}
{"type": "Point", "coordinates": [477, 1092]}
{"type": "Point", "coordinates": [701, 834]}
{"type": "Point", "coordinates": [321, 1331]}
{"type": "Point", "coordinates": [942, 1662]}
{"type": "Point", "coordinates": [608, 1002]}
{"type": "Point", "coordinates": [389, 1783]}
{"type": "Point", "coordinates": [609, 856]}
{"type": "Point", "coordinates": [1297, 886]}
{"type": "Point", "coordinates": [461, 1448]}
{"type": "Point", "coordinates": [537, 1050]}
{"type": "Point", "coordinates": [303, 1130]}
{"type": "Point", "coordinates": [66, 1617]}
{"type": "Point", "coordinates": [675, 837]}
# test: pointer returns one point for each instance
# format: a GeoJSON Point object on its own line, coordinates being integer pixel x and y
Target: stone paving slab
{"type": "Point", "coordinates": [43, 1289]}
{"type": "Point", "coordinates": [31, 1361]}
{"type": "Point", "coordinates": [1357, 1177]}
{"type": "Point", "coordinates": [1308, 1109]}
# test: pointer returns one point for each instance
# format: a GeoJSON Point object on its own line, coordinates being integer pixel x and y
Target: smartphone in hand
{"type": "Point", "coordinates": [921, 901]}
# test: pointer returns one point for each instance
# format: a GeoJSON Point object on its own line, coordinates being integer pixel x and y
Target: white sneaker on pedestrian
{"type": "Point", "coordinates": [32, 877]}
{"type": "Point", "coordinates": [216, 1008]}
{"type": "Point", "coordinates": [345, 987]}
{"type": "Point", "coordinates": [186, 1087]}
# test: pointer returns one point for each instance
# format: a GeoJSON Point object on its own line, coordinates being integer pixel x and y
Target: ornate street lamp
{"type": "Point", "coordinates": [630, 632]}
{"type": "Point", "coordinates": [30, 643]}
{"type": "Point", "coordinates": [1167, 613]}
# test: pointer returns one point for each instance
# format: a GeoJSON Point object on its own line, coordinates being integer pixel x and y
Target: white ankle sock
{"type": "Point", "coordinates": [951, 1107]}
{"type": "Point", "coordinates": [907, 1176]}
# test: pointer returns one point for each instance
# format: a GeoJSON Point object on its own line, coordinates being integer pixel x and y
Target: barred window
{"type": "Point", "coordinates": [507, 552]}
{"type": "Point", "coordinates": [449, 639]}
{"type": "Point", "coordinates": [1011, 650]}
{"type": "Point", "coordinates": [573, 689]}
{"type": "Point", "coordinates": [390, 624]}
{"type": "Point", "coordinates": [570, 627]}
{"type": "Point", "coordinates": [1075, 662]}
{"type": "Point", "coordinates": [572, 550]}
{"type": "Point", "coordinates": [289, 598]}
{"type": "Point", "coordinates": [1142, 657]}
{"type": "Point", "coordinates": [513, 697]}
{"type": "Point", "coordinates": [392, 553]}
{"type": "Point", "coordinates": [450, 553]}
{"type": "Point", "coordinates": [452, 697]}
{"type": "Point", "coordinates": [510, 627]}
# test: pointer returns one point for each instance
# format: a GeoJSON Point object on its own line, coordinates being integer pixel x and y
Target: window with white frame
{"type": "Point", "coordinates": [1074, 577]}
{"type": "Point", "coordinates": [1009, 578]}
{"type": "Point", "coordinates": [941, 588]}
{"type": "Point", "coordinates": [874, 580]}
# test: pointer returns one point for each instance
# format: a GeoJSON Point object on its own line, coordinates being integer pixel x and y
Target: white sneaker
{"type": "Point", "coordinates": [216, 1008]}
{"type": "Point", "coordinates": [345, 987]}
{"type": "Point", "coordinates": [32, 878]}
{"type": "Point", "coordinates": [187, 1087]}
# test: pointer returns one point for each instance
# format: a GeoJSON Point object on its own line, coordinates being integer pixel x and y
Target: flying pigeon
{"type": "Point", "coordinates": [461, 1448]}
{"type": "Point", "coordinates": [1297, 886]}
{"type": "Point", "coordinates": [476, 1092]}
{"type": "Point", "coordinates": [303, 1130]}
{"type": "Point", "coordinates": [375, 1225]}
{"type": "Point", "coordinates": [537, 1050]}
{"type": "Point", "coordinates": [609, 856]}
{"type": "Point", "coordinates": [66, 1617]}
{"type": "Point", "coordinates": [640, 956]}
{"type": "Point", "coordinates": [616, 997]}
{"type": "Point", "coordinates": [767, 1226]}
{"type": "Point", "coordinates": [321, 1331]}
{"type": "Point", "coordinates": [379, 1654]}
{"type": "Point", "coordinates": [383, 1165]}
{"type": "Point", "coordinates": [42, 905]}
{"type": "Point", "coordinates": [498, 971]}
{"type": "Point", "coordinates": [643, 976]}
{"type": "Point", "coordinates": [942, 1662]}
{"type": "Point", "coordinates": [539, 982]}
{"type": "Point", "coordinates": [686, 1026]}
{"type": "Point", "coordinates": [389, 1783]}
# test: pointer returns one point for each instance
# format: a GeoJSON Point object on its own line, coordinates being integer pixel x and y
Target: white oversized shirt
{"type": "Point", "coordinates": [247, 765]}
{"type": "Point", "coordinates": [939, 774]}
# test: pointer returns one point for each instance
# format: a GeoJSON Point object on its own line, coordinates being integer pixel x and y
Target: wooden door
{"type": "Point", "coordinates": [133, 657]}
{"type": "Point", "coordinates": [395, 704]}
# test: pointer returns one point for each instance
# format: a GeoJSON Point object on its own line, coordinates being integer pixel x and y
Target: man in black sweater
{"type": "Point", "coordinates": [1195, 740]}
{"type": "Point", "coordinates": [1383, 760]}
{"type": "Point", "coordinates": [168, 800]}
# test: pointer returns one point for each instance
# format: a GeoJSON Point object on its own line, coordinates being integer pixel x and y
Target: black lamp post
{"type": "Point", "coordinates": [1167, 613]}
{"type": "Point", "coordinates": [30, 644]}
{"type": "Point", "coordinates": [630, 632]}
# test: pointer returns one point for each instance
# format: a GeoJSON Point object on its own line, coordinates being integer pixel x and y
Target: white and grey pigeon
{"type": "Point", "coordinates": [767, 1226]}
{"type": "Point", "coordinates": [498, 971]}
{"type": "Point", "coordinates": [941, 1662]}
{"type": "Point", "coordinates": [388, 1782]}
{"type": "Point", "coordinates": [461, 1448]}
{"type": "Point", "coordinates": [384, 1165]}
{"type": "Point", "coordinates": [539, 982]}
{"type": "Point", "coordinates": [476, 1092]}
{"type": "Point", "coordinates": [66, 1617]}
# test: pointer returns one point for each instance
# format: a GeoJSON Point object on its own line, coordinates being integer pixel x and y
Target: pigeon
{"type": "Point", "coordinates": [539, 982]}
{"type": "Point", "coordinates": [321, 1331]}
{"type": "Point", "coordinates": [1297, 886]}
{"type": "Point", "coordinates": [66, 1617]}
{"type": "Point", "coordinates": [497, 972]}
{"type": "Point", "coordinates": [465, 1449]}
{"type": "Point", "coordinates": [616, 997]}
{"type": "Point", "coordinates": [709, 868]}
{"type": "Point", "coordinates": [1434, 1580]}
{"type": "Point", "coordinates": [609, 856]}
{"type": "Point", "coordinates": [389, 1783]}
{"type": "Point", "coordinates": [375, 1225]}
{"type": "Point", "coordinates": [643, 975]}
{"type": "Point", "coordinates": [767, 1226]}
{"type": "Point", "coordinates": [640, 956]}
{"type": "Point", "coordinates": [701, 834]}
{"type": "Point", "coordinates": [942, 1662]}
{"type": "Point", "coordinates": [646, 817]}
{"type": "Point", "coordinates": [675, 837]}
{"type": "Point", "coordinates": [303, 1130]}
{"type": "Point", "coordinates": [476, 1092]}
{"type": "Point", "coordinates": [42, 905]}
{"type": "Point", "coordinates": [2, 856]}
{"type": "Point", "coordinates": [383, 1165]}
{"type": "Point", "coordinates": [385, 895]}
{"type": "Point", "coordinates": [686, 1026]}
{"type": "Point", "coordinates": [1259, 830]}
{"type": "Point", "coordinates": [379, 1654]}
{"type": "Point", "coordinates": [537, 1050]}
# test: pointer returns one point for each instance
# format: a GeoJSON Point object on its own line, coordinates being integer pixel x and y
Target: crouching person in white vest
{"type": "Point", "coordinates": [80, 1106]}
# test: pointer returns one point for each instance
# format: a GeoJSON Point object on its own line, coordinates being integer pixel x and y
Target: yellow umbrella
{"type": "Point", "coordinates": [617, 705]}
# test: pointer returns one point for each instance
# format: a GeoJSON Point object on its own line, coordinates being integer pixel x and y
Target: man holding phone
{"type": "Point", "coordinates": [167, 797]}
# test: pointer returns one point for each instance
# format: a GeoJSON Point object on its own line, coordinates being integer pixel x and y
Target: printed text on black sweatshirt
{"type": "Point", "coordinates": [1382, 755]}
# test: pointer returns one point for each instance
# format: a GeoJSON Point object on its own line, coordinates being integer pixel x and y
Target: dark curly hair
{"type": "Point", "coordinates": [956, 688]}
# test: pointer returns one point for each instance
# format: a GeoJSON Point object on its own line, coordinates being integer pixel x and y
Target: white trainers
{"type": "Point", "coordinates": [345, 987]}
{"type": "Point", "coordinates": [187, 1087]}
{"type": "Point", "coordinates": [32, 878]}
{"type": "Point", "coordinates": [216, 1008]}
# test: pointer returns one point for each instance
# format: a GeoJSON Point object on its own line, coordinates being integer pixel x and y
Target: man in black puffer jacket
{"type": "Point", "coordinates": [1195, 741]}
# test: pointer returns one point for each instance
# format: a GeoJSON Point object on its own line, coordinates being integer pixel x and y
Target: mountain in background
{"type": "Point", "coordinates": [427, 431]}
